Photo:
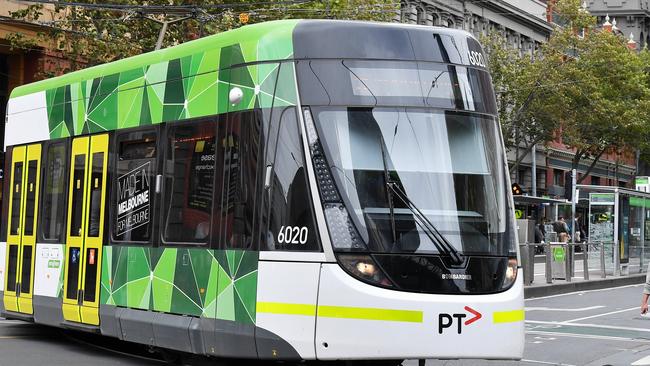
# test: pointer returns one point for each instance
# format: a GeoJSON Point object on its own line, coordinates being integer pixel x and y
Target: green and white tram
{"type": "Point", "coordinates": [292, 190]}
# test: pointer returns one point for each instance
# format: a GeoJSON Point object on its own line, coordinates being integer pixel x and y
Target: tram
{"type": "Point", "coordinates": [290, 190]}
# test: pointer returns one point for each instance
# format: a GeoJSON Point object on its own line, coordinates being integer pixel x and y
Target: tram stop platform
{"type": "Point", "coordinates": [545, 275]}
{"type": "Point", "coordinates": [541, 289]}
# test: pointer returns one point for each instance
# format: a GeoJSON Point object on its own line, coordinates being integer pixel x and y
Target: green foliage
{"type": "Point", "coordinates": [584, 84]}
{"type": "Point", "coordinates": [88, 36]}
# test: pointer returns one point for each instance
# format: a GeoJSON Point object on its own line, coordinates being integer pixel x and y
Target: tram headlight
{"type": "Point", "coordinates": [364, 268]}
{"type": "Point", "coordinates": [511, 273]}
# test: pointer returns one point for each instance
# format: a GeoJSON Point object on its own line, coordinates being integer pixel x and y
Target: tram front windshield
{"type": "Point", "coordinates": [391, 164]}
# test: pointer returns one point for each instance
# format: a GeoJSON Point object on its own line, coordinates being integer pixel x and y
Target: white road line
{"type": "Point", "coordinates": [546, 362]}
{"type": "Point", "coordinates": [561, 309]}
{"type": "Point", "coordinates": [582, 292]}
{"type": "Point", "coordinates": [584, 336]}
{"type": "Point", "coordinates": [643, 361]}
{"type": "Point", "coordinates": [589, 325]}
{"type": "Point", "coordinates": [638, 308]}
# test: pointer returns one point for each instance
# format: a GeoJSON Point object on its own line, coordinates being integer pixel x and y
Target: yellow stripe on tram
{"type": "Point", "coordinates": [508, 316]}
{"type": "Point", "coordinates": [341, 312]}
{"type": "Point", "coordinates": [284, 308]}
{"type": "Point", "coordinates": [410, 316]}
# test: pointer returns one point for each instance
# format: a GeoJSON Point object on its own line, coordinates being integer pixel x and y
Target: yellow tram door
{"type": "Point", "coordinates": [85, 231]}
{"type": "Point", "coordinates": [21, 237]}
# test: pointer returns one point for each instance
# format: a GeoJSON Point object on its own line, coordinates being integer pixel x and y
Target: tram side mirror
{"type": "Point", "coordinates": [267, 177]}
{"type": "Point", "coordinates": [159, 179]}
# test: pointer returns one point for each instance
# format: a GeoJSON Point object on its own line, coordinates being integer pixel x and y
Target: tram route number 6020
{"type": "Point", "coordinates": [293, 235]}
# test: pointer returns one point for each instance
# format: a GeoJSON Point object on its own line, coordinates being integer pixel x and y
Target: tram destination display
{"type": "Point", "coordinates": [133, 205]}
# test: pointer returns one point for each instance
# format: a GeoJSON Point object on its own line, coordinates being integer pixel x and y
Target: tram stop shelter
{"type": "Point", "coordinates": [619, 218]}
{"type": "Point", "coordinates": [531, 210]}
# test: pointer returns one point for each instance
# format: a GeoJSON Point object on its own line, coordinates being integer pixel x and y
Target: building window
{"type": "Point", "coordinates": [558, 177]}
{"type": "Point", "coordinates": [595, 181]}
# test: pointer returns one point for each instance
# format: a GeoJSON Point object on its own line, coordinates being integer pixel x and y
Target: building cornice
{"type": "Point", "coordinates": [521, 16]}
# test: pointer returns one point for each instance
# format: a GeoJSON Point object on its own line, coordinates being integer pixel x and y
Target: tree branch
{"type": "Point", "coordinates": [593, 164]}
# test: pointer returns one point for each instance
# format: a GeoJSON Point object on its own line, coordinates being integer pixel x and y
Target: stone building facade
{"type": "Point", "coordinates": [522, 22]}
{"type": "Point", "coordinates": [629, 16]}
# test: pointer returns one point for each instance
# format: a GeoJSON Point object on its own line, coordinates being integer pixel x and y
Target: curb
{"type": "Point", "coordinates": [565, 287]}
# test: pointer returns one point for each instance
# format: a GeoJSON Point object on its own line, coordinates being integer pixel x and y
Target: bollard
{"type": "Point", "coordinates": [585, 261]}
{"type": "Point", "coordinates": [524, 249]}
{"type": "Point", "coordinates": [567, 262]}
{"type": "Point", "coordinates": [602, 261]}
{"type": "Point", "coordinates": [531, 261]}
{"type": "Point", "coordinates": [549, 275]}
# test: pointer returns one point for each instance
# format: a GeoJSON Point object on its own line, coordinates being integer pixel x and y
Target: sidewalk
{"type": "Point", "coordinates": [540, 288]}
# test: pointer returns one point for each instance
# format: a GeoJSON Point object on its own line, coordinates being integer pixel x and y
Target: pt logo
{"type": "Point", "coordinates": [447, 320]}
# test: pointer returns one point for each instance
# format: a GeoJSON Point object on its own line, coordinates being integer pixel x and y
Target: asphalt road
{"type": "Point", "coordinates": [594, 328]}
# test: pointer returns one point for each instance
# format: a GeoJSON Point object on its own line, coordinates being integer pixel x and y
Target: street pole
{"type": "Point", "coordinates": [571, 249]}
{"type": "Point", "coordinates": [573, 203]}
{"type": "Point", "coordinates": [534, 175]}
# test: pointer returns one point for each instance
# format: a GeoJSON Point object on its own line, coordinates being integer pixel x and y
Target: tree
{"type": "Point", "coordinates": [521, 101]}
{"type": "Point", "coordinates": [90, 33]}
{"type": "Point", "coordinates": [584, 86]}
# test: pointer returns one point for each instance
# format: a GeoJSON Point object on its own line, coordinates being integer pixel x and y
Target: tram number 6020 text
{"type": "Point", "coordinates": [293, 235]}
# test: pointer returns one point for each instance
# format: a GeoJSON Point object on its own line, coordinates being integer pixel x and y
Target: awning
{"type": "Point", "coordinates": [532, 200]}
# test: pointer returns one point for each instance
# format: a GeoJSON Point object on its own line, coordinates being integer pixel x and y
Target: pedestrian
{"type": "Point", "coordinates": [646, 293]}
{"type": "Point", "coordinates": [578, 227]}
{"type": "Point", "coordinates": [561, 229]}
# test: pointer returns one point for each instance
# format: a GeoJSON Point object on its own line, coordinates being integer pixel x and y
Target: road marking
{"type": "Point", "coordinates": [643, 361]}
{"type": "Point", "coordinates": [646, 330]}
{"type": "Point", "coordinates": [582, 292]}
{"type": "Point", "coordinates": [588, 336]}
{"type": "Point", "coordinates": [546, 362]}
{"type": "Point", "coordinates": [604, 314]}
{"type": "Point", "coordinates": [560, 309]}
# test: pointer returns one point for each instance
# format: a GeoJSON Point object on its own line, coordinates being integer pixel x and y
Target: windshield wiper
{"type": "Point", "coordinates": [441, 243]}
{"type": "Point", "coordinates": [439, 240]}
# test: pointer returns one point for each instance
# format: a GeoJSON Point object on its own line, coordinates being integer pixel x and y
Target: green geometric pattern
{"type": "Point", "coordinates": [169, 91]}
{"type": "Point", "coordinates": [218, 284]}
{"type": "Point", "coordinates": [187, 81]}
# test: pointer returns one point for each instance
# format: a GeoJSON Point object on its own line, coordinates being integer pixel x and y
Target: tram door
{"type": "Point", "coordinates": [85, 230]}
{"type": "Point", "coordinates": [21, 237]}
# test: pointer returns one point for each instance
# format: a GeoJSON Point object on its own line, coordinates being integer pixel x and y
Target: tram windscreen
{"type": "Point", "coordinates": [450, 165]}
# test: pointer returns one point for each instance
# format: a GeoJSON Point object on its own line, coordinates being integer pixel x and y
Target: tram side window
{"type": "Point", "coordinates": [54, 193]}
{"type": "Point", "coordinates": [242, 169]}
{"type": "Point", "coordinates": [189, 181]}
{"type": "Point", "coordinates": [78, 177]}
{"type": "Point", "coordinates": [17, 188]}
{"type": "Point", "coordinates": [136, 169]}
{"type": "Point", "coordinates": [6, 179]}
{"type": "Point", "coordinates": [290, 221]}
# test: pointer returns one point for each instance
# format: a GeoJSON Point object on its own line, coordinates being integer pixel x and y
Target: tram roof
{"type": "Point", "coordinates": [266, 41]}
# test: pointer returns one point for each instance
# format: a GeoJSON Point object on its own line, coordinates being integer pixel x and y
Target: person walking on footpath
{"type": "Point", "coordinates": [646, 293]}
{"type": "Point", "coordinates": [561, 229]}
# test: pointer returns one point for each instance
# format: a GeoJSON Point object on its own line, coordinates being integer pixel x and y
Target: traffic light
{"type": "Point", "coordinates": [568, 186]}
{"type": "Point", "coordinates": [516, 189]}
